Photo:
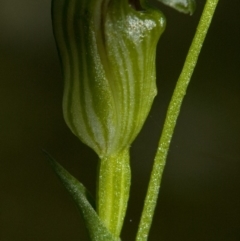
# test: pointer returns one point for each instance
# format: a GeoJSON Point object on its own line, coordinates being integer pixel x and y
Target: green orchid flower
{"type": "Point", "coordinates": [107, 50]}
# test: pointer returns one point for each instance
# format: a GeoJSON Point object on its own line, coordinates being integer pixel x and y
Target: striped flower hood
{"type": "Point", "coordinates": [107, 50]}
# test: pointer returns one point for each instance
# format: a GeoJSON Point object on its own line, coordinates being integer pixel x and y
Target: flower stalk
{"type": "Point", "coordinates": [171, 119]}
{"type": "Point", "coordinates": [113, 190]}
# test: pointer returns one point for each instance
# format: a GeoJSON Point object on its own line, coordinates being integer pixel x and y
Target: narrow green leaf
{"type": "Point", "coordinates": [184, 6]}
{"type": "Point", "coordinates": [97, 230]}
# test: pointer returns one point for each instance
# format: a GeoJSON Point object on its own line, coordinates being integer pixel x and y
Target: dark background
{"type": "Point", "coordinates": [199, 198]}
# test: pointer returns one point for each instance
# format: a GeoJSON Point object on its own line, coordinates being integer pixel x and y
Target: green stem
{"type": "Point", "coordinates": [171, 118]}
{"type": "Point", "coordinates": [113, 191]}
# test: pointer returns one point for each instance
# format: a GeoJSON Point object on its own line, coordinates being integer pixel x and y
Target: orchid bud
{"type": "Point", "coordinates": [107, 50]}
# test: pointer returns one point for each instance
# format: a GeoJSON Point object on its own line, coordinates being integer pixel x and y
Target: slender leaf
{"type": "Point", "coordinates": [97, 230]}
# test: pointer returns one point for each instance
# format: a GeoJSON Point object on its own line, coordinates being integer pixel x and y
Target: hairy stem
{"type": "Point", "coordinates": [171, 118]}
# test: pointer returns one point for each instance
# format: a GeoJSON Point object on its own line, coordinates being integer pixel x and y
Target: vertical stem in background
{"type": "Point", "coordinates": [171, 118]}
{"type": "Point", "coordinates": [113, 191]}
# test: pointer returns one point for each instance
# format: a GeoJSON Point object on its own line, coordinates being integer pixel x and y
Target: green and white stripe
{"type": "Point", "coordinates": [107, 51]}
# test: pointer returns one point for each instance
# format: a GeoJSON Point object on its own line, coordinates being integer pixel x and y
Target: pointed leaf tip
{"type": "Point", "coordinates": [96, 229]}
